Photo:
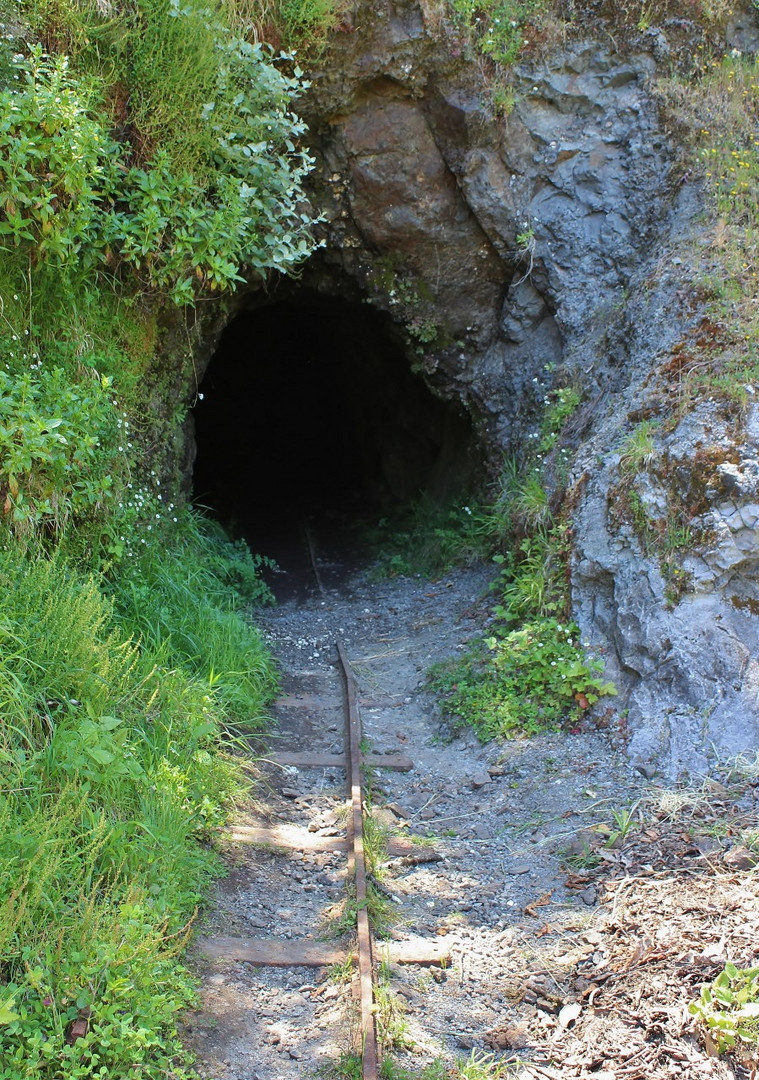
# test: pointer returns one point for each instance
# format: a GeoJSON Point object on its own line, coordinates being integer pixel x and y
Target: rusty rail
{"type": "Point", "coordinates": [312, 556]}
{"type": "Point", "coordinates": [357, 866]}
{"type": "Point", "coordinates": [265, 951]}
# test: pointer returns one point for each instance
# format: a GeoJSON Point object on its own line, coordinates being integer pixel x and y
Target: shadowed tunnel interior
{"type": "Point", "coordinates": [310, 412]}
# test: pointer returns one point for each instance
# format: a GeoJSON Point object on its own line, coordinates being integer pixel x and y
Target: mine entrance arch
{"type": "Point", "coordinates": [310, 411]}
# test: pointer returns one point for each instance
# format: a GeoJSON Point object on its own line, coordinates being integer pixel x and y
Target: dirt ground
{"type": "Point", "coordinates": [583, 904]}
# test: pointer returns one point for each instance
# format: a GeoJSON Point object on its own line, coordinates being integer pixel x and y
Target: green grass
{"type": "Point", "coordinates": [298, 26]}
{"type": "Point", "coordinates": [110, 778]}
{"type": "Point", "coordinates": [638, 450]}
{"type": "Point", "coordinates": [478, 1066]}
{"type": "Point", "coordinates": [390, 1012]}
{"type": "Point", "coordinates": [185, 603]}
{"type": "Point", "coordinates": [498, 27]}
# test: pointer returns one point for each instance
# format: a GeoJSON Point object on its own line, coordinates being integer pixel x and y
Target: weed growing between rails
{"type": "Point", "coordinates": [478, 1066]}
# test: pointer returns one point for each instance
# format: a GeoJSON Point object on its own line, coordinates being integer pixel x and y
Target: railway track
{"type": "Point", "coordinates": [524, 936]}
{"type": "Point", "coordinates": [308, 713]}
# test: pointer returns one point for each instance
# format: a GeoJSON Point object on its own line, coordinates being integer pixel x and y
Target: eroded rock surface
{"type": "Point", "coordinates": [497, 241]}
{"type": "Point", "coordinates": [512, 248]}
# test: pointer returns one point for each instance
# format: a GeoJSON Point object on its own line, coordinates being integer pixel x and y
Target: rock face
{"type": "Point", "coordinates": [497, 242]}
{"type": "Point", "coordinates": [509, 249]}
{"type": "Point", "coordinates": [673, 611]}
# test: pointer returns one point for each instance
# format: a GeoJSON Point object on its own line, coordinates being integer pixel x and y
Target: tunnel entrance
{"type": "Point", "coordinates": [309, 414]}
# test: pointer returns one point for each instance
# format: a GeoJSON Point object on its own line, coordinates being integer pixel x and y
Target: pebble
{"type": "Point", "coordinates": [515, 1037]}
{"type": "Point", "coordinates": [740, 858]}
{"type": "Point", "coordinates": [645, 768]}
{"type": "Point", "coordinates": [481, 780]}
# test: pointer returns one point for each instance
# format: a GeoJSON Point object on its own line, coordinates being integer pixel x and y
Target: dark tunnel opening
{"type": "Point", "coordinates": [310, 414]}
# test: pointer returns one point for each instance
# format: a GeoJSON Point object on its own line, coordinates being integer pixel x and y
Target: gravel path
{"type": "Point", "coordinates": [524, 889]}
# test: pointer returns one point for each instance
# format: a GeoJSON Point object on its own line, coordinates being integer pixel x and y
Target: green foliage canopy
{"type": "Point", "coordinates": [72, 194]}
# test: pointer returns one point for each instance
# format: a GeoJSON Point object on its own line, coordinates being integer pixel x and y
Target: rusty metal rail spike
{"type": "Point", "coordinates": [358, 868]}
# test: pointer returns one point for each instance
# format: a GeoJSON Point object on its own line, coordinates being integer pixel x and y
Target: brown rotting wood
{"type": "Point", "coordinates": [302, 760]}
{"type": "Point", "coordinates": [296, 838]}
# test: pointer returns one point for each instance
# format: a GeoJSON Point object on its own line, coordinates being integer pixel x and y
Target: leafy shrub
{"type": "Point", "coordinates": [58, 164]}
{"type": "Point", "coordinates": [72, 196]}
{"type": "Point", "coordinates": [729, 1010]}
{"type": "Point", "coordinates": [119, 986]}
{"type": "Point", "coordinates": [522, 682]}
{"type": "Point", "coordinates": [55, 447]}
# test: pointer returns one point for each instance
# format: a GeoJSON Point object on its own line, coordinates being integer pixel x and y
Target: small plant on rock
{"type": "Point", "coordinates": [562, 404]}
{"type": "Point", "coordinates": [498, 27]}
{"type": "Point", "coordinates": [638, 450]}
